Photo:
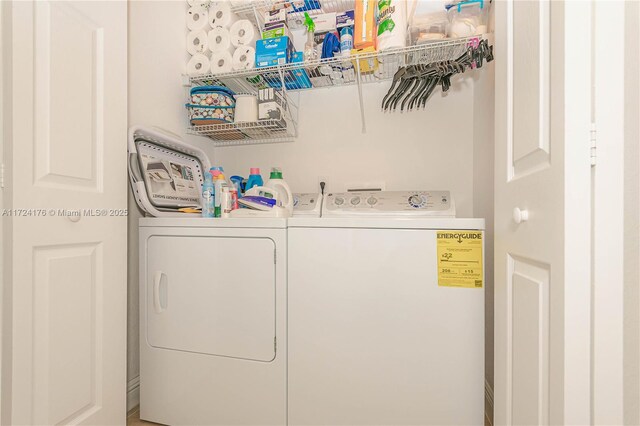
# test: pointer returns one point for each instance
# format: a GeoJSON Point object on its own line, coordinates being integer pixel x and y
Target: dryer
{"type": "Point", "coordinates": [381, 331]}
{"type": "Point", "coordinates": [212, 321]}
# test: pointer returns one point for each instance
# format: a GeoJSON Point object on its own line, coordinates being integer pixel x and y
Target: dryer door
{"type": "Point", "coordinates": [212, 295]}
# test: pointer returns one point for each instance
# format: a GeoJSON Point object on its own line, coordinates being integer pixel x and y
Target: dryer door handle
{"type": "Point", "coordinates": [159, 292]}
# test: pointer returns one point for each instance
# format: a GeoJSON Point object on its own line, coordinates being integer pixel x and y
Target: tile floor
{"type": "Point", "coordinates": [133, 419]}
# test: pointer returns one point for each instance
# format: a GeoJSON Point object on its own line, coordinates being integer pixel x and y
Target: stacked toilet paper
{"type": "Point", "coordinates": [218, 41]}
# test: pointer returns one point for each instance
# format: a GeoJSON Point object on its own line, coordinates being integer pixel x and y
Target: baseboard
{"type": "Point", "coordinates": [488, 403]}
{"type": "Point", "coordinates": [133, 393]}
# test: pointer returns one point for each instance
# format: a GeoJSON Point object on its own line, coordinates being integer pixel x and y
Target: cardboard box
{"type": "Point", "coordinates": [294, 79]}
{"type": "Point", "coordinates": [346, 19]}
{"type": "Point", "coordinates": [274, 16]}
{"type": "Point", "coordinates": [325, 22]}
{"type": "Point", "coordinates": [279, 29]}
{"type": "Point", "coordinates": [273, 51]}
{"type": "Point", "coordinates": [271, 105]}
{"type": "Point", "coordinates": [364, 33]}
{"type": "Point", "coordinates": [366, 64]}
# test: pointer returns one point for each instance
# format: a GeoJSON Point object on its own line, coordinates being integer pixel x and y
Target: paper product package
{"type": "Point", "coordinates": [197, 18]}
{"type": "Point", "coordinates": [293, 79]}
{"type": "Point", "coordinates": [244, 58]}
{"type": "Point", "coordinates": [392, 24]}
{"type": "Point", "coordinates": [364, 34]}
{"type": "Point", "coordinates": [279, 29]}
{"type": "Point", "coordinates": [271, 105]}
{"type": "Point", "coordinates": [275, 16]}
{"type": "Point", "coordinates": [273, 51]}
{"type": "Point", "coordinates": [221, 62]}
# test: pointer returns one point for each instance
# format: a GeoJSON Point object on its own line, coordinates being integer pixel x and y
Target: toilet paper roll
{"type": "Point", "coordinates": [220, 40]}
{"type": "Point", "coordinates": [198, 64]}
{"type": "Point", "coordinates": [243, 33]}
{"type": "Point", "coordinates": [246, 108]}
{"type": "Point", "coordinates": [221, 62]}
{"type": "Point", "coordinates": [220, 14]}
{"type": "Point", "coordinates": [197, 42]}
{"type": "Point", "coordinates": [392, 29]}
{"type": "Point", "coordinates": [197, 18]}
{"type": "Point", "coordinates": [244, 58]}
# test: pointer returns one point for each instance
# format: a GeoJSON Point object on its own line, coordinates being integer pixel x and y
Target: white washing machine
{"type": "Point", "coordinates": [386, 312]}
{"type": "Point", "coordinates": [213, 321]}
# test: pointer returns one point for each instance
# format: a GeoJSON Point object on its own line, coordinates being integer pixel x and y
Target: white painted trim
{"type": "Point", "coordinates": [608, 218]}
{"type": "Point", "coordinates": [133, 393]}
{"type": "Point", "coordinates": [488, 403]}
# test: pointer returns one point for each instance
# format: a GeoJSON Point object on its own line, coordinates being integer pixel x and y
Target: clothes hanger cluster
{"type": "Point", "coordinates": [413, 85]}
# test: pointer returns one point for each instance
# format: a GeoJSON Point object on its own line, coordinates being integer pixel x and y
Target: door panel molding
{"type": "Point", "coordinates": [65, 114]}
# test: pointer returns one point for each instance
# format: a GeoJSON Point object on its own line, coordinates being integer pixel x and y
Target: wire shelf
{"type": "Point", "coordinates": [354, 69]}
{"type": "Point", "coordinates": [247, 133]}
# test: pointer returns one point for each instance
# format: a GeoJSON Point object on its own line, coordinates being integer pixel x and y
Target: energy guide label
{"type": "Point", "coordinates": [460, 259]}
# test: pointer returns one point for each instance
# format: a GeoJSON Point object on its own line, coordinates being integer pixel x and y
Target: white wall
{"type": "Point", "coordinates": [156, 98]}
{"type": "Point", "coordinates": [483, 168]}
{"type": "Point", "coordinates": [430, 149]}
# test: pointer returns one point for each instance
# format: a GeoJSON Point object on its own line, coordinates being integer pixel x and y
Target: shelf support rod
{"type": "Point", "coordinates": [359, 82]}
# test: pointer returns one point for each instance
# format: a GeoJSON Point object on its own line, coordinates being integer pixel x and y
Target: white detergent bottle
{"type": "Point", "coordinates": [276, 182]}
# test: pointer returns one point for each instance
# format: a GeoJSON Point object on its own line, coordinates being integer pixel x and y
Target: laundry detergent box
{"type": "Point", "coordinates": [273, 51]}
{"type": "Point", "coordinates": [294, 79]}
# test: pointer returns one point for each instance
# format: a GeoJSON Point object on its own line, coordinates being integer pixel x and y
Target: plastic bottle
{"type": "Point", "coordinates": [254, 179]}
{"type": "Point", "coordinates": [310, 50]}
{"type": "Point", "coordinates": [225, 202]}
{"type": "Point", "coordinates": [219, 182]}
{"type": "Point", "coordinates": [236, 182]}
{"type": "Point", "coordinates": [208, 196]}
{"type": "Point", "coordinates": [277, 182]}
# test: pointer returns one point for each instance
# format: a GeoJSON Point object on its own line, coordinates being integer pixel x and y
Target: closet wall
{"type": "Point", "coordinates": [447, 146]}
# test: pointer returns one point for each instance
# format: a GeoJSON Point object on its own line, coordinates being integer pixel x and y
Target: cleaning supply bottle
{"type": "Point", "coordinates": [208, 196]}
{"type": "Point", "coordinates": [254, 179]}
{"type": "Point", "coordinates": [225, 202]}
{"type": "Point", "coordinates": [219, 182]}
{"type": "Point", "coordinates": [277, 182]}
{"type": "Point", "coordinates": [310, 50]}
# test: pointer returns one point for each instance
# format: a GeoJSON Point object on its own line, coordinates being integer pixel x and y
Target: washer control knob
{"type": "Point", "coordinates": [355, 201]}
{"type": "Point", "coordinates": [372, 201]}
{"type": "Point", "coordinates": [339, 201]}
{"type": "Point", "coordinates": [416, 201]}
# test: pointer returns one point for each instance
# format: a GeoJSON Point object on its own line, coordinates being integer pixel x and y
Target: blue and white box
{"type": "Point", "coordinates": [273, 51]}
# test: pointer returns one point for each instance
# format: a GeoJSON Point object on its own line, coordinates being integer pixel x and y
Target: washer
{"type": "Point", "coordinates": [212, 321]}
{"type": "Point", "coordinates": [373, 337]}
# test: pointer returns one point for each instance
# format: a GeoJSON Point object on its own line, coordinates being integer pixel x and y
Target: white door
{"type": "Point", "coordinates": [542, 263]}
{"type": "Point", "coordinates": [66, 151]}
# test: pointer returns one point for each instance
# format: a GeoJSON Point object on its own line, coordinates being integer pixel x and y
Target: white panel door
{"type": "Point", "coordinates": [542, 213]}
{"type": "Point", "coordinates": [66, 159]}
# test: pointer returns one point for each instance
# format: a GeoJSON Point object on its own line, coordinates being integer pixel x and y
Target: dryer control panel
{"type": "Point", "coordinates": [389, 203]}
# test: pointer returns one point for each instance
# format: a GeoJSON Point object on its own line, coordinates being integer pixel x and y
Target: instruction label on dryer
{"type": "Point", "coordinates": [460, 259]}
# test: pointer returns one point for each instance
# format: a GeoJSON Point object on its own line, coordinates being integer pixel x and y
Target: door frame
{"type": "Point", "coordinates": [608, 234]}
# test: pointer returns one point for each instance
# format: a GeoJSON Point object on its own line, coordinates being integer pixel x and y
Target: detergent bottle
{"type": "Point", "coordinates": [218, 182]}
{"type": "Point", "coordinates": [208, 196]}
{"type": "Point", "coordinates": [277, 182]}
{"type": "Point", "coordinates": [254, 179]}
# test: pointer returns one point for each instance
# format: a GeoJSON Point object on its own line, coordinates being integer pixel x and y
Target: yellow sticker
{"type": "Point", "coordinates": [460, 259]}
